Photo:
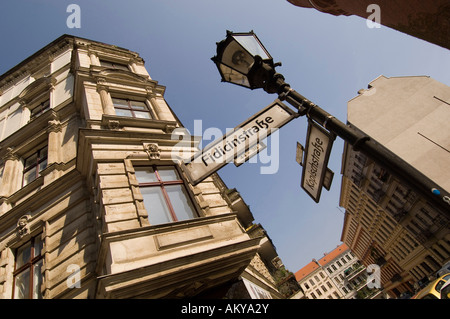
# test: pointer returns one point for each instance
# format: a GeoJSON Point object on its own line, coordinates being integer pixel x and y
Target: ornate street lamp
{"type": "Point", "coordinates": [243, 60]}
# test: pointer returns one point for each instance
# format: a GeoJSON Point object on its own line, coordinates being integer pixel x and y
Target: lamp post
{"type": "Point", "coordinates": [242, 60]}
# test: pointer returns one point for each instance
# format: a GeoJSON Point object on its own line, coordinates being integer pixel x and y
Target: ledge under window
{"type": "Point", "coordinates": [121, 121]}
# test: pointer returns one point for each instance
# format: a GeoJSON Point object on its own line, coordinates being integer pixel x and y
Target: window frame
{"type": "Point", "coordinates": [42, 107]}
{"type": "Point", "coordinates": [29, 265]}
{"type": "Point", "coordinates": [130, 107]}
{"type": "Point", "coordinates": [114, 65]}
{"type": "Point", "coordinates": [161, 184]}
{"type": "Point", "coordinates": [37, 164]}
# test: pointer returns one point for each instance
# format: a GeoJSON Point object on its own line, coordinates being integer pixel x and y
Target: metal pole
{"type": "Point", "coordinates": [364, 144]}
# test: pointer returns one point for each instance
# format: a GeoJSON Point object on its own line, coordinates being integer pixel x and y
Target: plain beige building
{"type": "Point", "coordinates": [93, 204]}
{"type": "Point", "coordinates": [386, 222]}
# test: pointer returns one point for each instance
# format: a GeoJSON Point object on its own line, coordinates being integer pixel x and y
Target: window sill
{"type": "Point", "coordinates": [114, 121]}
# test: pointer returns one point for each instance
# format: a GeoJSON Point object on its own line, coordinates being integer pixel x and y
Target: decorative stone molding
{"type": "Point", "coordinates": [101, 84]}
{"type": "Point", "coordinates": [114, 125]}
{"type": "Point", "coordinates": [169, 128]}
{"type": "Point", "coordinates": [10, 155]}
{"type": "Point", "coordinates": [152, 150]}
{"type": "Point", "coordinates": [54, 125]}
{"type": "Point", "coordinates": [23, 228]}
{"type": "Point", "coordinates": [36, 89]}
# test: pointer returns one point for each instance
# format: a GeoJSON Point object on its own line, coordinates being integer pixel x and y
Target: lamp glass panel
{"type": "Point", "coordinates": [230, 75]}
{"type": "Point", "coordinates": [252, 45]}
{"type": "Point", "coordinates": [237, 58]}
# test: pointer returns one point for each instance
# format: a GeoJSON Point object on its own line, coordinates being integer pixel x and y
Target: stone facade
{"type": "Point", "coordinates": [83, 129]}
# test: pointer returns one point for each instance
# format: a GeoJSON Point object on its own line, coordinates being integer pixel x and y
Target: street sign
{"type": "Point", "coordinates": [318, 147]}
{"type": "Point", "coordinates": [238, 141]}
{"type": "Point", "coordinates": [299, 153]}
{"type": "Point", "coordinates": [252, 151]}
{"type": "Point", "coordinates": [329, 174]}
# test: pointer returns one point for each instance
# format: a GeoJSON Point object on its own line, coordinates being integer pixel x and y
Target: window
{"type": "Point", "coordinates": [27, 274]}
{"type": "Point", "coordinates": [40, 109]}
{"type": "Point", "coordinates": [131, 108]}
{"type": "Point", "coordinates": [165, 195]}
{"type": "Point", "coordinates": [114, 65]}
{"type": "Point", "coordinates": [33, 165]}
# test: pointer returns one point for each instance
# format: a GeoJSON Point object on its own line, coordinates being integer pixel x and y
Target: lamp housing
{"type": "Point", "coordinates": [242, 60]}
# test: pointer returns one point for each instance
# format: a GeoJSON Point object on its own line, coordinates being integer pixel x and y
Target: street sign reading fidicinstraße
{"type": "Point", "coordinates": [236, 142]}
{"type": "Point", "coordinates": [318, 148]}
{"type": "Point", "coordinates": [241, 159]}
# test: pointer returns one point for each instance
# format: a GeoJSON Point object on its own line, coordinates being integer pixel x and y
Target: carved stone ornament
{"type": "Point", "coordinates": [54, 125]}
{"type": "Point", "coordinates": [23, 228]}
{"type": "Point", "coordinates": [113, 125]}
{"type": "Point", "coordinates": [10, 155]}
{"type": "Point", "coordinates": [152, 150]}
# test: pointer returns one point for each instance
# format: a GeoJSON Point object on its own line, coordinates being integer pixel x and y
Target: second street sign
{"type": "Point", "coordinates": [318, 148]}
{"type": "Point", "coordinates": [236, 142]}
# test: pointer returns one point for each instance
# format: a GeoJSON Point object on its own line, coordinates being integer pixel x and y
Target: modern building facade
{"type": "Point", "coordinates": [93, 203]}
{"type": "Point", "coordinates": [423, 19]}
{"type": "Point", "coordinates": [387, 222]}
{"type": "Point", "coordinates": [337, 275]}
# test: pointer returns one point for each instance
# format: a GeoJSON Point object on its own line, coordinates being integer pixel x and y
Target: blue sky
{"type": "Point", "coordinates": [325, 58]}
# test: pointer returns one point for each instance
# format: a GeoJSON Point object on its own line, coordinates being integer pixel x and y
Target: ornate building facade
{"type": "Point", "coordinates": [337, 275]}
{"type": "Point", "coordinates": [93, 203]}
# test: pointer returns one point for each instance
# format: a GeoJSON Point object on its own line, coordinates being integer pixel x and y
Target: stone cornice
{"type": "Point", "coordinates": [33, 63]}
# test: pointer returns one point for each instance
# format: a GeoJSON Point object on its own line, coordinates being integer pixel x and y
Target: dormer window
{"type": "Point", "coordinates": [114, 65]}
